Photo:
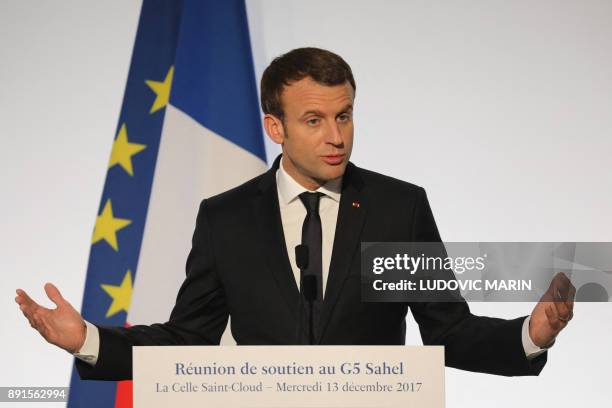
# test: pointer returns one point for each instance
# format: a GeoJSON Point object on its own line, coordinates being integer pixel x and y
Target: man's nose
{"type": "Point", "coordinates": [334, 135]}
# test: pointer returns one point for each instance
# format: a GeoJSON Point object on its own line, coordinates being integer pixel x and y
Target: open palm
{"type": "Point", "coordinates": [62, 326]}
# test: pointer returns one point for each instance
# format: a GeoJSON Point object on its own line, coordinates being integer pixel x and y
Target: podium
{"type": "Point", "coordinates": [288, 376]}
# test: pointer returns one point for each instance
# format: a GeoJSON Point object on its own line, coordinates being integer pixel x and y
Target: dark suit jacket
{"type": "Point", "coordinates": [238, 266]}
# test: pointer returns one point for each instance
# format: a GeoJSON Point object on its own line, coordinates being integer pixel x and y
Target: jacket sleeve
{"type": "Point", "coordinates": [199, 316]}
{"type": "Point", "coordinates": [473, 343]}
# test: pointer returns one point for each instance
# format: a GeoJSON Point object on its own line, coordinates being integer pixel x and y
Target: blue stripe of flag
{"type": "Point", "coordinates": [214, 79]}
{"type": "Point", "coordinates": [153, 54]}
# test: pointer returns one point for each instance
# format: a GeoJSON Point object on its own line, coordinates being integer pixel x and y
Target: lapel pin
{"type": "Point", "coordinates": [356, 204]}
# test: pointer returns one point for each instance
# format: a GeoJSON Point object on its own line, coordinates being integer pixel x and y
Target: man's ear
{"type": "Point", "coordinates": [274, 128]}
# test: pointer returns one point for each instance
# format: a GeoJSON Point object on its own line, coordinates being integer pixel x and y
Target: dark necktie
{"type": "Point", "coordinates": [312, 237]}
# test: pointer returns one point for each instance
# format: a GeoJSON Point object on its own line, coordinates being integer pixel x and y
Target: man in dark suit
{"type": "Point", "coordinates": [242, 263]}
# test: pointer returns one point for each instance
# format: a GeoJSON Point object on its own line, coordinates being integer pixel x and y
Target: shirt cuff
{"type": "Point", "coordinates": [91, 348]}
{"type": "Point", "coordinates": [531, 349]}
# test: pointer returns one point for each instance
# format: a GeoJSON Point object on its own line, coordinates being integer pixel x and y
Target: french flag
{"type": "Point", "coordinates": [189, 128]}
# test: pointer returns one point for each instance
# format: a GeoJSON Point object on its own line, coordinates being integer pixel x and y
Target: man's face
{"type": "Point", "coordinates": [317, 131]}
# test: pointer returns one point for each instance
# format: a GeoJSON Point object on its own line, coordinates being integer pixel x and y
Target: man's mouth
{"type": "Point", "coordinates": [333, 159]}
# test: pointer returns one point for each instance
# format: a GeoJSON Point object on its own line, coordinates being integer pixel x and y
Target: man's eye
{"type": "Point", "coordinates": [345, 117]}
{"type": "Point", "coordinates": [312, 122]}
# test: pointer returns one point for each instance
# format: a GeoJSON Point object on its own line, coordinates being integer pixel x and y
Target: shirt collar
{"type": "Point", "coordinates": [289, 189]}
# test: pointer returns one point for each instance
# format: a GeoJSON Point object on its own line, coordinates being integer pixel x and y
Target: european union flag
{"type": "Point", "coordinates": [189, 128]}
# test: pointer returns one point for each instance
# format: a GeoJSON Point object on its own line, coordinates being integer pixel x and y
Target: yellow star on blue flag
{"type": "Point", "coordinates": [162, 90]}
{"type": "Point", "coordinates": [107, 226]}
{"type": "Point", "coordinates": [123, 150]}
{"type": "Point", "coordinates": [121, 295]}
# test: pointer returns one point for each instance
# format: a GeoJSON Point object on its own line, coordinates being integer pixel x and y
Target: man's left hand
{"type": "Point", "coordinates": [553, 312]}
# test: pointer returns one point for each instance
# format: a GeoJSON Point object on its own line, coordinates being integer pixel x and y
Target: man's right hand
{"type": "Point", "coordinates": [62, 326]}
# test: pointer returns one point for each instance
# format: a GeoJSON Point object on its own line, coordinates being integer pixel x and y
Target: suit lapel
{"type": "Point", "coordinates": [273, 246]}
{"type": "Point", "coordinates": [351, 216]}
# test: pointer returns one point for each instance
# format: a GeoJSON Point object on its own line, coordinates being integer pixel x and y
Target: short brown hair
{"type": "Point", "coordinates": [322, 66]}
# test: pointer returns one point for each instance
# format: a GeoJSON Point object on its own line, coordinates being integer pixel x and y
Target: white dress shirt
{"type": "Point", "coordinates": [292, 213]}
